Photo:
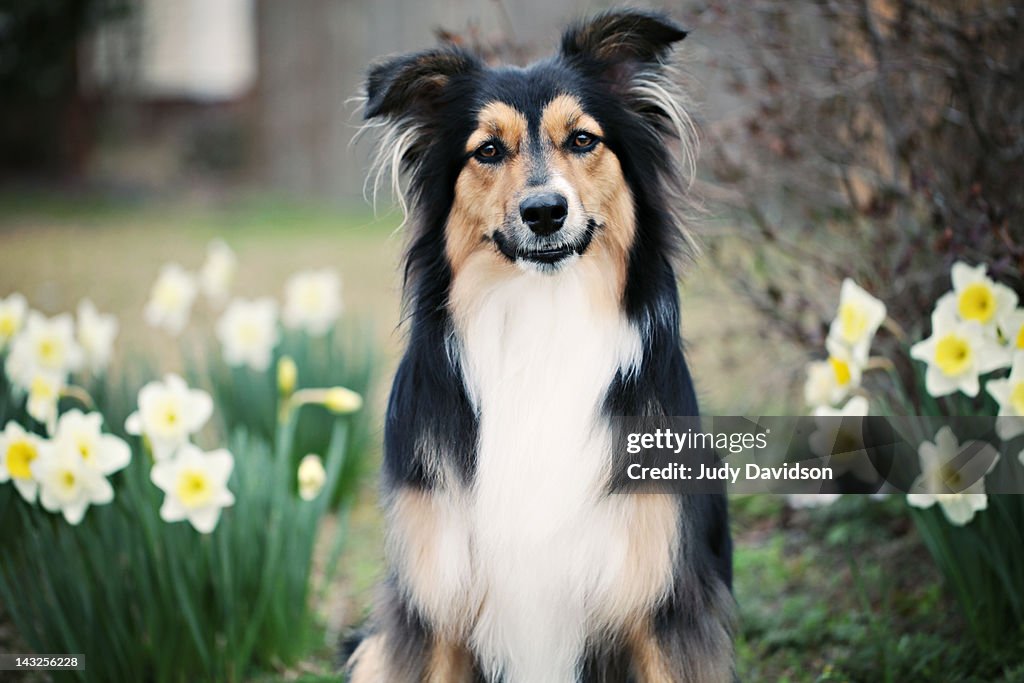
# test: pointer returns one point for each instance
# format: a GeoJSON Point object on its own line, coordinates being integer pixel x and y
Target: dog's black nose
{"type": "Point", "coordinates": [544, 213]}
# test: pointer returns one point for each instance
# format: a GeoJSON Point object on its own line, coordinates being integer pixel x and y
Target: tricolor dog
{"type": "Point", "coordinates": [541, 286]}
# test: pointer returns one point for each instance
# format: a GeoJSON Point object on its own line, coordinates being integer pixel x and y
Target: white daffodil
{"type": "Point", "coordinates": [195, 486]}
{"type": "Point", "coordinates": [956, 354]}
{"type": "Point", "coordinates": [977, 298]}
{"type": "Point", "coordinates": [82, 435]}
{"type": "Point", "coordinates": [832, 380]}
{"type": "Point", "coordinates": [169, 412]}
{"type": "Point", "coordinates": [953, 475]}
{"type": "Point", "coordinates": [96, 333]}
{"type": "Point", "coordinates": [311, 476]}
{"type": "Point", "coordinates": [171, 298]}
{"type": "Point", "coordinates": [857, 320]}
{"type": "Point", "coordinates": [218, 271]}
{"type": "Point", "coordinates": [799, 501]}
{"type": "Point", "coordinates": [12, 317]}
{"type": "Point", "coordinates": [18, 450]}
{"type": "Point", "coordinates": [46, 345]}
{"type": "Point", "coordinates": [1009, 394]}
{"type": "Point", "coordinates": [1011, 330]}
{"type": "Point", "coordinates": [248, 333]}
{"type": "Point", "coordinates": [312, 301]}
{"type": "Point", "coordinates": [43, 397]}
{"type": "Point", "coordinates": [67, 484]}
{"type": "Point", "coordinates": [839, 437]}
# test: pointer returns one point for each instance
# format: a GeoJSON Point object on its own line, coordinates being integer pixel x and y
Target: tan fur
{"type": "Point", "coordinates": [650, 524]}
{"type": "Point", "coordinates": [649, 662]}
{"type": "Point", "coordinates": [597, 176]}
{"type": "Point", "coordinates": [449, 663]}
{"type": "Point", "coordinates": [368, 664]}
{"type": "Point", "coordinates": [428, 543]}
{"type": "Point", "coordinates": [483, 194]}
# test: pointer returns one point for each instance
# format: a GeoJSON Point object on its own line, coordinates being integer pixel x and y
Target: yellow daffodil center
{"type": "Point", "coordinates": [49, 351]}
{"type": "Point", "coordinates": [8, 326]}
{"type": "Point", "coordinates": [42, 389]}
{"type": "Point", "coordinates": [853, 322]}
{"type": "Point", "coordinates": [953, 355]}
{"type": "Point", "coordinates": [1020, 338]}
{"type": "Point", "coordinates": [66, 479]}
{"type": "Point", "coordinates": [194, 488]}
{"type": "Point", "coordinates": [951, 479]}
{"type": "Point", "coordinates": [85, 448]}
{"type": "Point", "coordinates": [310, 298]}
{"type": "Point", "coordinates": [20, 455]}
{"type": "Point", "coordinates": [1017, 398]}
{"type": "Point", "coordinates": [167, 295]}
{"type": "Point", "coordinates": [249, 333]}
{"type": "Point", "coordinates": [845, 443]}
{"type": "Point", "coordinates": [977, 302]}
{"type": "Point", "coordinates": [841, 369]}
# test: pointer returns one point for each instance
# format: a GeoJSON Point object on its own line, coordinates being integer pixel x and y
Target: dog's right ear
{"type": "Point", "coordinates": [411, 86]}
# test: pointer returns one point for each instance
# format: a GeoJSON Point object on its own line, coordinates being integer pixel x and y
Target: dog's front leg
{"type": "Point", "coordinates": [441, 661]}
{"type": "Point", "coordinates": [702, 654]}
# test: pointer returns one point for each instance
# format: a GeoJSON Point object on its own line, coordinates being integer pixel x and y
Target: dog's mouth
{"type": "Point", "coordinates": [546, 255]}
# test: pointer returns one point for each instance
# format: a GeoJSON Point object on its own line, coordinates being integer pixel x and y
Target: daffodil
{"type": "Point", "coordinates": [839, 437]}
{"type": "Point", "coordinates": [1009, 394]}
{"type": "Point", "coordinates": [12, 317]}
{"type": "Point", "coordinates": [311, 476]}
{"type": "Point", "coordinates": [18, 450]}
{"type": "Point", "coordinates": [1011, 329]}
{"type": "Point", "coordinates": [832, 380]}
{"type": "Point", "coordinates": [82, 435]}
{"type": "Point", "coordinates": [287, 376]}
{"type": "Point", "coordinates": [956, 354]}
{"type": "Point", "coordinates": [47, 345]}
{"type": "Point", "coordinates": [248, 333]}
{"type": "Point", "coordinates": [96, 333]}
{"type": "Point", "coordinates": [171, 298]}
{"type": "Point", "coordinates": [857, 320]}
{"type": "Point", "coordinates": [67, 484]}
{"type": "Point", "coordinates": [43, 397]}
{"type": "Point", "coordinates": [342, 401]}
{"type": "Point", "coordinates": [977, 298]}
{"type": "Point", "coordinates": [195, 486]}
{"type": "Point", "coordinates": [169, 413]}
{"type": "Point", "coordinates": [953, 475]}
{"type": "Point", "coordinates": [312, 301]}
{"type": "Point", "coordinates": [218, 271]}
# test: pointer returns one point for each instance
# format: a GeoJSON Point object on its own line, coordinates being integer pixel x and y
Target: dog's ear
{"type": "Point", "coordinates": [621, 43]}
{"type": "Point", "coordinates": [412, 85]}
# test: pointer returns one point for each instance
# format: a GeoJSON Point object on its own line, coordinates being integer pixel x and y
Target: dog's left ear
{"type": "Point", "coordinates": [621, 43]}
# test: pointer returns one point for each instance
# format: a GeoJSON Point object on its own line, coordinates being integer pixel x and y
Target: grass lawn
{"type": "Point", "coordinates": [844, 593]}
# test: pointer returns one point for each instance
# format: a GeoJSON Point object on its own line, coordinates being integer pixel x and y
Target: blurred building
{"type": "Point", "coordinates": [259, 92]}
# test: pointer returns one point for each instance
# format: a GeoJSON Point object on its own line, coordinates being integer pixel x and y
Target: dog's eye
{"type": "Point", "coordinates": [582, 141]}
{"type": "Point", "coordinates": [490, 152]}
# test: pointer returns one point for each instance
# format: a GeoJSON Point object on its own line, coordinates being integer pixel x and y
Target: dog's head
{"type": "Point", "coordinates": [535, 166]}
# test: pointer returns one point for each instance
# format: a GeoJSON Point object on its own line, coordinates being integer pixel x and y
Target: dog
{"type": "Point", "coordinates": [541, 294]}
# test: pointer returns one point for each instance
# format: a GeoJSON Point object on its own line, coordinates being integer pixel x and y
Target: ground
{"type": "Point", "coordinates": [845, 593]}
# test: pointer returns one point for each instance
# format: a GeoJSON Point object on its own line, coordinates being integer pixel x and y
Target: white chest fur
{"type": "Point", "coordinates": [539, 352]}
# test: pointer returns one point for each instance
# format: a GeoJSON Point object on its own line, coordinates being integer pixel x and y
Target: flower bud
{"type": "Point", "coordinates": [311, 476]}
{"type": "Point", "coordinates": [342, 401]}
{"type": "Point", "coordinates": [287, 375]}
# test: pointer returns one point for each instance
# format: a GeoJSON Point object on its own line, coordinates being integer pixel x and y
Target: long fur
{"type": "Point", "coordinates": [510, 558]}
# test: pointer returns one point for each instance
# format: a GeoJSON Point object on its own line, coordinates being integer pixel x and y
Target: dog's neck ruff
{"type": "Point", "coordinates": [538, 354]}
